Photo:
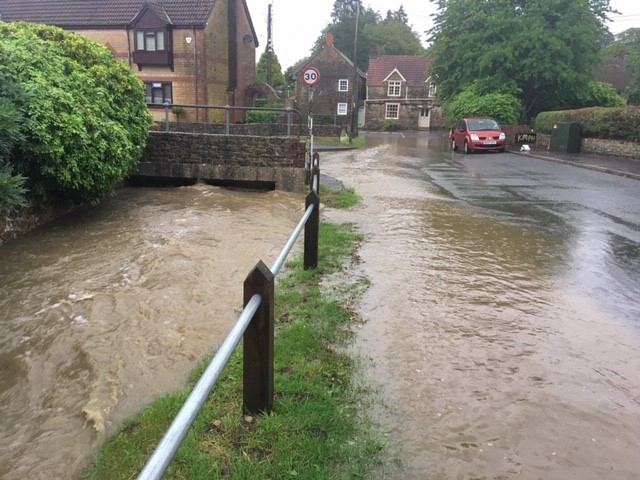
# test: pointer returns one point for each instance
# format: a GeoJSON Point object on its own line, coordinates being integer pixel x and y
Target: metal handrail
{"type": "Point", "coordinates": [159, 461]}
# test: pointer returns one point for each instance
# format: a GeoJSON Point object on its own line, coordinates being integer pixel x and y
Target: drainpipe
{"type": "Point", "coordinates": [195, 63]}
{"type": "Point", "coordinates": [129, 60]}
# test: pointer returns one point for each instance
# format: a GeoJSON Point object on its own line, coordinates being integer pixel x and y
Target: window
{"type": "Point", "coordinates": [394, 89]}
{"type": "Point", "coordinates": [393, 109]}
{"type": "Point", "coordinates": [343, 85]}
{"type": "Point", "coordinates": [158, 93]}
{"type": "Point", "coordinates": [432, 87]}
{"type": "Point", "coordinates": [150, 40]}
{"type": "Point", "coordinates": [342, 109]}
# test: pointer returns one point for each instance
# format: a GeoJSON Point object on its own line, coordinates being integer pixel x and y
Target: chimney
{"type": "Point", "coordinates": [373, 52]}
{"type": "Point", "coordinates": [330, 39]}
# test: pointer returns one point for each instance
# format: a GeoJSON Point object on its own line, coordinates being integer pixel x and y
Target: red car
{"type": "Point", "coordinates": [477, 133]}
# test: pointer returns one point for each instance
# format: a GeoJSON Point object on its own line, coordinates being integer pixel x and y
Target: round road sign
{"type": "Point", "coordinates": [310, 76]}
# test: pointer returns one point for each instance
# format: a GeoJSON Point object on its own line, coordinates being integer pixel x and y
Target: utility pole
{"type": "Point", "coordinates": [354, 87]}
{"type": "Point", "coordinates": [269, 49]}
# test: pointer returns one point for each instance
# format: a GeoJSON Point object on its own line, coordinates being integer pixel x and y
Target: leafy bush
{"type": "Point", "coordinates": [506, 108]}
{"type": "Point", "coordinates": [12, 189]}
{"type": "Point", "coordinates": [621, 123]}
{"type": "Point", "coordinates": [262, 116]}
{"type": "Point", "coordinates": [599, 94]}
{"type": "Point", "coordinates": [86, 119]}
{"type": "Point", "coordinates": [389, 125]}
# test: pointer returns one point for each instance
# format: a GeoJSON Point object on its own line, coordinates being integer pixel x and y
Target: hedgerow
{"type": "Point", "coordinates": [85, 116]}
{"type": "Point", "coordinates": [619, 123]}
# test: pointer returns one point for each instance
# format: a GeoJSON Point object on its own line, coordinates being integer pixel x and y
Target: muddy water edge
{"type": "Point", "coordinates": [487, 362]}
{"type": "Point", "coordinates": [106, 308]}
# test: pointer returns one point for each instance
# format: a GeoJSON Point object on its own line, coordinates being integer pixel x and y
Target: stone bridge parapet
{"type": "Point", "coordinates": [270, 162]}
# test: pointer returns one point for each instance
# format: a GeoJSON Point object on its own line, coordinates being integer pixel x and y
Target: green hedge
{"type": "Point", "coordinates": [618, 123]}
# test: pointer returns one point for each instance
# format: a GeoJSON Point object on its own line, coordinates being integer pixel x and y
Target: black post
{"type": "Point", "coordinates": [312, 227]}
{"type": "Point", "coordinates": [258, 343]}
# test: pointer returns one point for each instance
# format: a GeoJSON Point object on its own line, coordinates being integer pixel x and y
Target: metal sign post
{"type": "Point", "coordinates": [310, 76]}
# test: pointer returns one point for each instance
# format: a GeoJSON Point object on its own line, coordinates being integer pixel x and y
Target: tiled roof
{"type": "Point", "coordinates": [412, 68]}
{"type": "Point", "coordinates": [102, 13]}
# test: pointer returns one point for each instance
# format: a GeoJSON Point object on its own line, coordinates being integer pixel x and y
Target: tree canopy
{"type": "Point", "coordinates": [391, 36]}
{"type": "Point", "coordinates": [85, 117]}
{"type": "Point", "coordinates": [628, 43]}
{"type": "Point", "coordinates": [541, 51]}
{"type": "Point", "coordinates": [262, 70]}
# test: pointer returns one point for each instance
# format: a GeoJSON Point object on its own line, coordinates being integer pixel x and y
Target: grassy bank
{"type": "Point", "coordinates": [316, 430]}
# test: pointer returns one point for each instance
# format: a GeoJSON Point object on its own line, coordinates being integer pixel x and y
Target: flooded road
{"type": "Point", "coordinates": [107, 308]}
{"type": "Point", "coordinates": [502, 323]}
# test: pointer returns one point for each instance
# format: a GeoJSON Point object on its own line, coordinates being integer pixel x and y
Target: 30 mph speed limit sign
{"type": "Point", "coordinates": [310, 76]}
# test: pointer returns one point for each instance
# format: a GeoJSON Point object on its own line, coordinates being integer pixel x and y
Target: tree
{"type": "Point", "coordinates": [262, 70]}
{"type": "Point", "coordinates": [628, 42]}
{"type": "Point", "coordinates": [543, 50]}
{"type": "Point", "coordinates": [393, 37]}
{"type": "Point", "coordinates": [85, 116]}
{"type": "Point", "coordinates": [506, 108]}
{"type": "Point", "coordinates": [343, 30]}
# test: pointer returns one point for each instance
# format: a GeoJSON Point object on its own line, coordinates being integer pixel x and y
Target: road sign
{"type": "Point", "coordinates": [310, 76]}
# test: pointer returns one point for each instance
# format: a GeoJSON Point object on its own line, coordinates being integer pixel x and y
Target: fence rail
{"type": "Point", "coordinates": [255, 325]}
{"type": "Point", "coordinates": [289, 112]}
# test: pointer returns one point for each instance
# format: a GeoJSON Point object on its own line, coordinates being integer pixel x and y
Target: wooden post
{"type": "Point", "coordinates": [258, 343]}
{"type": "Point", "coordinates": [311, 231]}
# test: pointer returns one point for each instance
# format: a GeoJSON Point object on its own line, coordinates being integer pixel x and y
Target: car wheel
{"type": "Point", "coordinates": [454, 147]}
{"type": "Point", "coordinates": [466, 147]}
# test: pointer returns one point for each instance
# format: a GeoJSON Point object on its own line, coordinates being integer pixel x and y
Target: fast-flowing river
{"type": "Point", "coordinates": [109, 307]}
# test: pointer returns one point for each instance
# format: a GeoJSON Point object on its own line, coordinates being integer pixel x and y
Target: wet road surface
{"type": "Point", "coordinates": [502, 325]}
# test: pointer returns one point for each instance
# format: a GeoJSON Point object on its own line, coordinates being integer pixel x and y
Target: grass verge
{"type": "Point", "coordinates": [316, 430]}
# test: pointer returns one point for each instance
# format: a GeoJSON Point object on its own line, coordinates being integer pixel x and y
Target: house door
{"type": "Point", "coordinates": [361, 117]}
{"type": "Point", "coordinates": [424, 121]}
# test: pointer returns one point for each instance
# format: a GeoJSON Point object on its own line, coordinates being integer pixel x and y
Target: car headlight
{"type": "Point", "coordinates": [502, 136]}
{"type": "Point", "coordinates": [474, 137]}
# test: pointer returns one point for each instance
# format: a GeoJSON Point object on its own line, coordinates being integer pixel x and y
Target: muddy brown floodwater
{"type": "Point", "coordinates": [107, 308]}
{"type": "Point", "coordinates": [488, 364]}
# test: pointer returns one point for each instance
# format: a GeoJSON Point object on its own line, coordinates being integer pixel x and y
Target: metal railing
{"type": "Point", "coordinates": [289, 112]}
{"type": "Point", "coordinates": [255, 326]}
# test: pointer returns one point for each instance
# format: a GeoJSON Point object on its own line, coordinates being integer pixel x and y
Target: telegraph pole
{"type": "Point", "coordinates": [354, 87]}
{"type": "Point", "coordinates": [269, 48]}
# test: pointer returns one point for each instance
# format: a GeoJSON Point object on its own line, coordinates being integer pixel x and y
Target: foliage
{"type": "Point", "coordinates": [262, 116]}
{"type": "Point", "coordinates": [393, 37]}
{"type": "Point", "coordinates": [598, 94]}
{"type": "Point", "coordinates": [12, 189]}
{"type": "Point", "coordinates": [506, 108]}
{"type": "Point", "coordinates": [389, 125]}
{"type": "Point", "coordinates": [177, 111]}
{"type": "Point", "coordinates": [542, 49]}
{"type": "Point", "coordinates": [262, 70]}
{"type": "Point", "coordinates": [628, 42]}
{"type": "Point", "coordinates": [343, 28]}
{"type": "Point", "coordinates": [86, 119]}
{"type": "Point", "coordinates": [620, 123]}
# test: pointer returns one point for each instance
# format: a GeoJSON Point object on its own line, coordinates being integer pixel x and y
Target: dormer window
{"type": "Point", "coordinates": [150, 40]}
{"type": "Point", "coordinates": [394, 88]}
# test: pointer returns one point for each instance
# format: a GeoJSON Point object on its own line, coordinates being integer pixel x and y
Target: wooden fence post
{"type": "Point", "coordinates": [258, 343]}
{"type": "Point", "coordinates": [311, 232]}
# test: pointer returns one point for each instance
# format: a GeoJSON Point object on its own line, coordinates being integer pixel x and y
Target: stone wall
{"type": "Point", "coordinates": [225, 159]}
{"type": "Point", "coordinates": [598, 146]}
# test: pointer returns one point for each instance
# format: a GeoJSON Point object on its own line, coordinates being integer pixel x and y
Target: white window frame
{"type": "Point", "coordinates": [342, 108]}
{"type": "Point", "coordinates": [433, 88]}
{"type": "Point", "coordinates": [394, 89]}
{"type": "Point", "coordinates": [343, 85]}
{"type": "Point", "coordinates": [387, 106]}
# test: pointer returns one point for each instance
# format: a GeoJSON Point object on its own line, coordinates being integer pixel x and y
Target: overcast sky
{"type": "Point", "coordinates": [297, 24]}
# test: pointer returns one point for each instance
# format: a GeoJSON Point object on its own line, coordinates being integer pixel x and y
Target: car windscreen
{"type": "Point", "coordinates": [484, 124]}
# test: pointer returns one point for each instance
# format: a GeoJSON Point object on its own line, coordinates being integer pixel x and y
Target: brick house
{"type": "Point", "coordinates": [334, 94]}
{"type": "Point", "coordinates": [613, 70]}
{"type": "Point", "coordinates": [401, 92]}
{"type": "Point", "coordinates": [199, 52]}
